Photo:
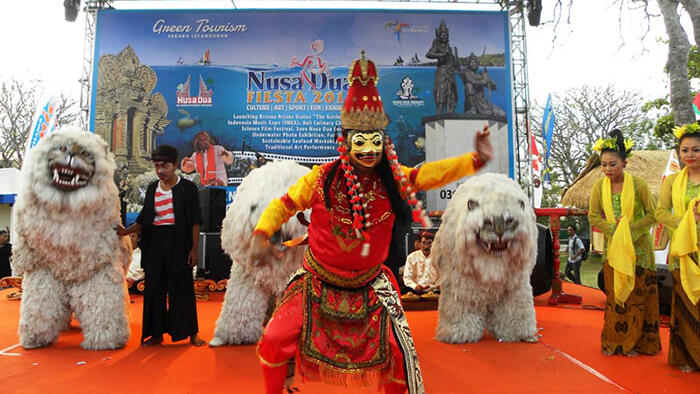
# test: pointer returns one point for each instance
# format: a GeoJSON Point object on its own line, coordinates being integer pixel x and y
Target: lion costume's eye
{"type": "Point", "coordinates": [472, 205]}
{"type": "Point", "coordinates": [87, 155]}
{"type": "Point", "coordinates": [522, 205]}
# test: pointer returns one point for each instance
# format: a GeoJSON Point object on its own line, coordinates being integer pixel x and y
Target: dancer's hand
{"type": "Point", "coordinates": [484, 150]}
{"type": "Point", "coordinates": [262, 251]}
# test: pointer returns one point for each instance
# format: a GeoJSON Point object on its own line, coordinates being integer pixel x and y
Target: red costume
{"type": "Point", "coordinates": [341, 311]}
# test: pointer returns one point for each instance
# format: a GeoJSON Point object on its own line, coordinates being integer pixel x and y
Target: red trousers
{"type": "Point", "coordinates": [281, 340]}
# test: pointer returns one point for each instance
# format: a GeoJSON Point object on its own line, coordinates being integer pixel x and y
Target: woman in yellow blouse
{"type": "Point", "coordinates": [679, 193]}
{"type": "Point", "coordinates": [622, 207]}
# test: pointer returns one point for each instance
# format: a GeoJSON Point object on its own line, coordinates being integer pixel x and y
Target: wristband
{"type": "Point", "coordinates": [476, 162]}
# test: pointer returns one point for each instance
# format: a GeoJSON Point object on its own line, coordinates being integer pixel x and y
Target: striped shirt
{"type": "Point", "coordinates": [165, 214]}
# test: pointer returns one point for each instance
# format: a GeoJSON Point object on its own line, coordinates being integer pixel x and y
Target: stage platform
{"type": "Point", "coordinates": [566, 360]}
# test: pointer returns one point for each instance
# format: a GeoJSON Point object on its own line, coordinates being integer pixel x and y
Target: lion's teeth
{"type": "Point", "coordinates": [55, 175]}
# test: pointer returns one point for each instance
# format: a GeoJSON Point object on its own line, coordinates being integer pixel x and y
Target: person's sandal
{"type": "Point", "coordinates": [15, 296]}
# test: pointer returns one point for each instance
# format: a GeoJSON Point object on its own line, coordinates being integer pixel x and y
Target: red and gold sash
{"type": "Point", "coordinates": [345, 336]}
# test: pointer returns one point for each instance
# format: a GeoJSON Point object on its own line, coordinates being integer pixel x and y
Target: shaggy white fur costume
{"type": "Point", "coordinates": [485, 250]}
{"type": "Point", "coordinates": [252, 291]}
{"type": "Point", "coordinates": [67, 249]}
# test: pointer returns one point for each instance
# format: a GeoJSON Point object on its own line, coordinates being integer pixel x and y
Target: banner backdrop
{"type": "Point", "coordinates": [270, 84]}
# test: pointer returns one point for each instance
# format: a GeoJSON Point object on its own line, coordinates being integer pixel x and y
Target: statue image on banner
{"type": "Point", "coordinates": [445, 87]}
{"type": "Point", "coordinates": [476, 83]}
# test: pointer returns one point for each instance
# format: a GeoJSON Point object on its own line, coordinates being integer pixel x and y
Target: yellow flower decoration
{"type": "Point", "coordinates": [605, 143]}
{"type": "Point", "coordinates": [678, 131]}
{"type": "Point", "coordinates": [690, 128]}
{"type": "Point", "coordinates": [611, 143]}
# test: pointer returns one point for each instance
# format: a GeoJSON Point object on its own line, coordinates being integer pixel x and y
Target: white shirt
{"type": "Point", "coordinates": [575, 244]}
{"type": "Point", "coordinates": [420, 270]}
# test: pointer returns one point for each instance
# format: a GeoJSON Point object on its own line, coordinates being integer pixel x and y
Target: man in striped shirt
{"type": "Point", "coordinates": [169, 224]}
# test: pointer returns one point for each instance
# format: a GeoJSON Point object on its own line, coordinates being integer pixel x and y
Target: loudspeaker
{"type": "Point", "coordinates": [664, 282]}
{"type": "Point", "coordinates": [212, 202]}
{"type": "Point", "coordinates": [213, 262]}
{"type": "Point", "coordinates": [542, 274]}
{"type": "Point", "coordinates": [71, 10]}
{"type": "Point", "coordinates": [534, 11]}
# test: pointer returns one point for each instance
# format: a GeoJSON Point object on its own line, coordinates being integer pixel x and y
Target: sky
{"type": "Point", "coordinates": [593, 49]}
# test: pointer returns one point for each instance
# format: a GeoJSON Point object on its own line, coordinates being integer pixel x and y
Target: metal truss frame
{"type": "Point", "coordinates": [91, 7]}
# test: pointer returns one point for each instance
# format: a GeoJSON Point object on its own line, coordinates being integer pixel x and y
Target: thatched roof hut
{"type": "Point", "coordinates": [646, 164]}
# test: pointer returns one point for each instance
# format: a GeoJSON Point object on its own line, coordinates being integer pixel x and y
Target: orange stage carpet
{"type": "Point", "coordinates": [566, 360]}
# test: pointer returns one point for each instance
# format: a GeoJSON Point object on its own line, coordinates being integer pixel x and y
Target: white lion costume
{"type": "Point", "coordinates": [67, 248]}
{"type": "Point", "coordinates": [485, 251]}
{"type": "Point", "coordinates": [252, 291]}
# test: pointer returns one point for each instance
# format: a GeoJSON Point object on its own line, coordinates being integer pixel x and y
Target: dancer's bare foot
{"type": "Point", "coordinates": [632, 353]}
{"type": "Point", "coordinates": [152, 341]}
{"type": "Point", "coordinates": [197, 341]}
{"type": "Point", "coordinates": [686, 368]}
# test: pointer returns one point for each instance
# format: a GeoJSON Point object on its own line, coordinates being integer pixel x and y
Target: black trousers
{"type": "Point", "coordinates": [573, 271]}
{"type": "Point", "coordinates": [5, 268]}
{"type": "Point", "coordinates": [168, 300]}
